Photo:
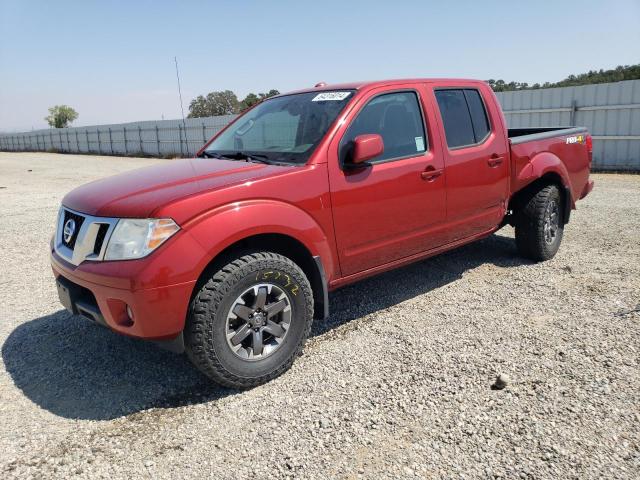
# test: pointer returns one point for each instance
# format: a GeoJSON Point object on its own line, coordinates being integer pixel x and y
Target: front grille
{"type": "Point", "coordinates": [78, 220]}
{"type": "Point", "coordinates": [102, 233]}
{"type": "Point", "coordinates": [88, 239]}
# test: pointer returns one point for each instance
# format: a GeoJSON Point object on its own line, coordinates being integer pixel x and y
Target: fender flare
{"type": "Point", "coordinates": [544, 164]}
{"type": "Point", "coordinates": [222, 227]}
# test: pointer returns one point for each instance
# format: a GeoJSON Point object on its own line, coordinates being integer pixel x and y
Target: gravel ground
{"type": "Point", "coordinates": [397, 383]}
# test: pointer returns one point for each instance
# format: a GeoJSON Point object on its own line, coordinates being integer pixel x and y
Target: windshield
{"type": "Point", "coordinates": [281, 130]}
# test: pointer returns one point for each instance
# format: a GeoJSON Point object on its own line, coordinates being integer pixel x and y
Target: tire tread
{"type": "Point", "coordinates": [529, 227]}
{"type": "Point", "coordinates": [199, 333]}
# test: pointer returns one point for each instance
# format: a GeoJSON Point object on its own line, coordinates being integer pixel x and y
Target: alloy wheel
{"type": "Point", "coordinates": [258, 321]}
{"type": "Point", "coordinates": [551, 222]}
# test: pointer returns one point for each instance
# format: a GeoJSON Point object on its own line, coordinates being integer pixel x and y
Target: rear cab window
{"type": "Point", "coordinates": [397, 118]}
{"type": "Point", "coordinates": [464, 116]}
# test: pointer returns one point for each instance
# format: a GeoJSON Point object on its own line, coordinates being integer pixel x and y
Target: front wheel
{"type": "Point", "coordinates": [250, 320]}
{"type": "Point", "coordinates": [540, 225]}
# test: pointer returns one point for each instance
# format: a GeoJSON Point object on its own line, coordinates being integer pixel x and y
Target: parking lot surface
{"type": "Point", "coordinates": [395, 384]}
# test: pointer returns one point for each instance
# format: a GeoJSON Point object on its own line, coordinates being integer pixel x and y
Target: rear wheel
{"type": "Point", "coordinates": [540, 225]}
{"type": "Point", "coordinates": [250, 320]}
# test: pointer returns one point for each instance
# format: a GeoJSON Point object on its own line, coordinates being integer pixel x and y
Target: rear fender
{"type": "Point", "coordinates": [542, 164]}
{"type": "Point", "coordinates": [543, 168]}
{"type": "Point", "coordinates": [222, 227]}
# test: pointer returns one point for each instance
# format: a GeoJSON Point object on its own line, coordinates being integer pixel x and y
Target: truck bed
{"type": "Point", "coordinates": [532, 148]}
{"type": "Point", "coordinates": [521, 135]}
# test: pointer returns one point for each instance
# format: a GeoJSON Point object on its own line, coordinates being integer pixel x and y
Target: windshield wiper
{"type": "Point", "coordinates": [207, 154]}
{"type": "Point", "coordinates": [248, 157]}
{"type": "Point", "coordinates": [256, 157]}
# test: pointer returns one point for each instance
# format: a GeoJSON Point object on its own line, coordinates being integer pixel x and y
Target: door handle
{"type": "Point", "coordinates": [430, 174]}
{"type": "Point", "coordinates": [495, 160]}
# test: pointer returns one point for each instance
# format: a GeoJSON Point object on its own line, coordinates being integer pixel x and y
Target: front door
{"type": "Point", "coordinates": [389, 208]}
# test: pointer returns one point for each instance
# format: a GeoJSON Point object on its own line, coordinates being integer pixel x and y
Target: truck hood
{"type": "Point", "coordinates": [138, 193]}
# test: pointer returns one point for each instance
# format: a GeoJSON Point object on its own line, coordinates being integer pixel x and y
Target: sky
{"type": "Point", "coordinates": [113, 60]}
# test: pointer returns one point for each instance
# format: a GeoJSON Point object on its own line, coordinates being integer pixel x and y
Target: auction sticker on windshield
{"type": "Point", "coordinates": [324, 96]}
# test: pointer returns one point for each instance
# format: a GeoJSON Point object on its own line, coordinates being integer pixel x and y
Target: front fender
{"type": "Point", "coordinates": [221, 227]}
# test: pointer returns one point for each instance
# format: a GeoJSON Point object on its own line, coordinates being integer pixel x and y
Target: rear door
{"type": "Point", "coordinates": [388, 209]}
{"type": "Point", "coordinates": [476, 156]}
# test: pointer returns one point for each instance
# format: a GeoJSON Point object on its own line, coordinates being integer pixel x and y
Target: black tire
{"type": "Point", "coordinates": [208, 329]}
{"type": "Point", "coordinates": [536, 236]}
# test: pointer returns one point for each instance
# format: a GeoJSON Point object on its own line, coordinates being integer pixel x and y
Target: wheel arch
{"type": "Point", "coordinates": [268, 225]}
{"type": "Point", "coordinates": [282, 244]}
{"type": "Point", "coordinates": [522, 196]}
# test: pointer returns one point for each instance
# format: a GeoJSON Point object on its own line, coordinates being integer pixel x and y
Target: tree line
{"type": "Point", "coordinates": [225, 103]}
{"type": "Point", "coordinates": [621, 72]}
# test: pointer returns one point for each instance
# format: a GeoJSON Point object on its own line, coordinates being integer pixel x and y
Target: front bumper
{"type": "Point", "coordinates": [102, 291]}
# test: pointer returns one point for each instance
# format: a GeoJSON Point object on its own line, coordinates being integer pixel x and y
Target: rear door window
{"type": "Point", "coordinates": [478, 114]}
{"type": "Point", "coordinates": [463, 115]}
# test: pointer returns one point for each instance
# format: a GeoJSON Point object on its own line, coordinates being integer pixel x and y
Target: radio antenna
{"type": "Point", "coordinates": [184, 126]}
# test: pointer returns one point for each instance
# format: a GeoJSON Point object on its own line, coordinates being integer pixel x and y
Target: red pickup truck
{"type": "Point", "coordinates": [230, 256]}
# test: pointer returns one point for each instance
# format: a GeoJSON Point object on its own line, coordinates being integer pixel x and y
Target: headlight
{"type": "Point", "coordinates": [133, 238]}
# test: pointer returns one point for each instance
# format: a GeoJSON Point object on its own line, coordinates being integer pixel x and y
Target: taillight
{"type": "Point", "coordinates": [589, 143]}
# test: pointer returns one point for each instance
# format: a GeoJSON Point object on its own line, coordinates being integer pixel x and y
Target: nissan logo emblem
{"type": "Point", "coordinates": [69, 230]}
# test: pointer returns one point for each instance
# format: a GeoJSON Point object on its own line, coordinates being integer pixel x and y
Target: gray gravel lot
{"type": "Point", "coordinates": [395, 384]}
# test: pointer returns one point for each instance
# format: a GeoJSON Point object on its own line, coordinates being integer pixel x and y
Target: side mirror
{"type": "Point", "coordinates": [366, 147]}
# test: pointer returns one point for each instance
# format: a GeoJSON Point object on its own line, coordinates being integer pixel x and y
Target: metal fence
{"type": "Point", "coordinates": [156, 138]}
{"type": "Point", "coordinates": [611, 111]}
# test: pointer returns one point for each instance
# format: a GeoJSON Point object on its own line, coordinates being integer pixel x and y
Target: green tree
{"type": "Point", "coordinates": [215, 103]}
{"type": "Point", "coordinates": [251, 99]}
{"type": "Point", "coordinates": [271, 93]}
{"type": "Point", "coordinates": [60, 116]}
{"type": "Point", "coordinates": [225, 103]}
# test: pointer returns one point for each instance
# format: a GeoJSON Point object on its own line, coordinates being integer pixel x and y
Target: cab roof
{"type": "Point", "coordinates": [385, 83]}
